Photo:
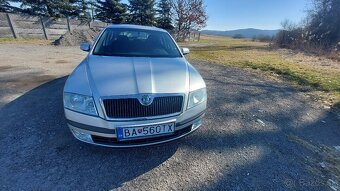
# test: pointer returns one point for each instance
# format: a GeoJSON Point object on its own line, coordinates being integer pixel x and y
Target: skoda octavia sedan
{"type": "Point", "coordinates": [134, 88]}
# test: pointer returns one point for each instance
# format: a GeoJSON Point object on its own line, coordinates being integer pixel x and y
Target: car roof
{"type": "Point", "coordinates": [129, 26]}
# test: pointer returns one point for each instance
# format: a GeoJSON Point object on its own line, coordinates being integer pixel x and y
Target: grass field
{"type": "Point", "coordinates": [25, 41]}
{"type": "Point", "coordinates": [321, 79]}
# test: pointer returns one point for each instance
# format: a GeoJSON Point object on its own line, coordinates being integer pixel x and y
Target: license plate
{"type": "Point", "coordinates": [141, 132]}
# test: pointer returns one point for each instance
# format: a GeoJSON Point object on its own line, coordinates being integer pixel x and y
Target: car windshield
{"type": "Point", "coordinates": [135, 43]}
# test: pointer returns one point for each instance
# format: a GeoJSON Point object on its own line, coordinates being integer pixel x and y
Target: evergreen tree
{"type": "Point", "coordinates": [111, 11]}
{"type": "Point", "coordinates": [68, 8]}
{"type": "Point", "coordinates": [142, 12]}
{"type": "Point", "coordinates": [4, 6]}
{"type": "Point", "coordinates": [51, 8]}
{"type": "Point", "coordinates": [164, 19]}
{"type": "Point", "coordinates": [83, 10]}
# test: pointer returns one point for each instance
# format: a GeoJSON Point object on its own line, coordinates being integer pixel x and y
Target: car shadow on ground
{"type": "Point", "coordinates": [39, 152]}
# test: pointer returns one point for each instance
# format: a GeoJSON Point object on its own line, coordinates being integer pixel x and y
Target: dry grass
{"type": "Point", "coordinates": [25, 41]}
{"type": "Point", "coordinates": [323, 79]}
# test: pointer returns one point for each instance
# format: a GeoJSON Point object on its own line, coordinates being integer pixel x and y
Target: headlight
{"type": "Point", "coordinates": [80, 103]}
{"type": "Point", "coordinates": [196, 97]}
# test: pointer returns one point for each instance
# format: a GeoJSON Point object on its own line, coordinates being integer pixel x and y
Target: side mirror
{"type": "Point", "coordinates": [185, 51]}
{"type": "Point", "coordinates": [85, 46]}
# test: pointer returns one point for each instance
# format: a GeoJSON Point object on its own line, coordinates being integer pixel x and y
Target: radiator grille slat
{"type": "Point", "coordinates": [131, 107]}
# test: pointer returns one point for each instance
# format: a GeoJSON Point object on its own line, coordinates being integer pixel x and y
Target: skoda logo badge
{"type": "Point", "coordinates": [146, 100]}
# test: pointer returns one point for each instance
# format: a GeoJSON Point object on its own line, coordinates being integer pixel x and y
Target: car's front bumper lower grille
{"type": "Point", "coordinates": [114, 141]}
{"type": "Point", "coordinates": [132, 108]}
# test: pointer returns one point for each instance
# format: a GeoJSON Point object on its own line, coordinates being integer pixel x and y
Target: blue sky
{"type": "Point", "coordinates": [261, 14]}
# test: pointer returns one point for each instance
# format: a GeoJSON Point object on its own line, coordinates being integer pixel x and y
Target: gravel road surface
{"type": "Point", "coordinates": [257, 135]}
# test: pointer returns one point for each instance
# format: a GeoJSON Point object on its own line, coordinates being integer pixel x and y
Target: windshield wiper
{"type": "Point", "coordinates": [101, 54]}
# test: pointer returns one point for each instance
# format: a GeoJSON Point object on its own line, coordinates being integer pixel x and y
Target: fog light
{"type": "Point", "coordinates": [82, 136]}
{"type": "Point", "coordinates": [197, 124]}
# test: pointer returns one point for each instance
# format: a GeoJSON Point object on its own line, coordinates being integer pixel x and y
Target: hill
{"type": "Point", "coordinates": [248, 33]}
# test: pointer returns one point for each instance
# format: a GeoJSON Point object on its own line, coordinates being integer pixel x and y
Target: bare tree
{"type": "Point", "coordinates": [319, 32]}
{"type": "Point", "coordinates": [189, 15]}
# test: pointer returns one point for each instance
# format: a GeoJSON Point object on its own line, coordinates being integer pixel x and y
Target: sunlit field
{"type": "Point", "coordinates": [321, 79]}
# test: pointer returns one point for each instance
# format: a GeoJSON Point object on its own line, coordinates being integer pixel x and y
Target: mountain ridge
{"type": "Point", "coordinates": [247, 32]}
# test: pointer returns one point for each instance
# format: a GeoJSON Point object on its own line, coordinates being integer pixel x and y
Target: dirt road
{"type": "Point", "coordinates": [23, 67]}
{"type": "Point", "coordinates": [257, 135]}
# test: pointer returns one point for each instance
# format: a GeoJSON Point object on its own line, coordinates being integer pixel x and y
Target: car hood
{"type": "Point", "coordinates": [111, 76]}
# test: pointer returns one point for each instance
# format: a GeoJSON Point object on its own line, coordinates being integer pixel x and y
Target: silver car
{"type": "Point", "coordinates": [134, 88]}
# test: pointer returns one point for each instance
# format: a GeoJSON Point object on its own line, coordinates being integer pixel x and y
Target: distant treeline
{"type": "Point", "coordinates": [318, 32]}
{"type": "Point", "coordinates": [177, 16]}
{"type": "Point", "coordinates": [260, 37]}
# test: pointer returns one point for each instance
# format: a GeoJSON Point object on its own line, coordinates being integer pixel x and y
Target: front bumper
{"type": "Point", "coordinates": [101, 132]}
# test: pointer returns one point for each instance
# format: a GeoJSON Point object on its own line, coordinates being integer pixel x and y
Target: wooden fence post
{"type": "Point", "coordinates": [68, 24]}
{"type": "Point", "coordinates": [11, 25]}
{"type": "Point", "coordinates": [43, 27]}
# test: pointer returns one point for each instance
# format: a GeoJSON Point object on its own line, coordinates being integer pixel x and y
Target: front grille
{"type": "Point", "coordinates": [132, 108]}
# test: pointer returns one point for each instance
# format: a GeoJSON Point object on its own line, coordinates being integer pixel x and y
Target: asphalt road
{"type": "Point", "coordinates": [257, 135]}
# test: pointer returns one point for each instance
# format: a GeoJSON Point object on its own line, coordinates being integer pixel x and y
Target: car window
{"type": "Point", "coordinates": [136, 43]}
